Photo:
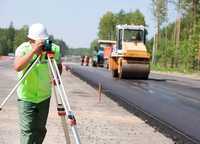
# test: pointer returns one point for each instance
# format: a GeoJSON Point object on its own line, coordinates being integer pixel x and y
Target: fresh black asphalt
{"type": "Point", "coordinates": [174, 100]}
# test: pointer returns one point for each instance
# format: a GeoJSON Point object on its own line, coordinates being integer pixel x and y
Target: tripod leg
{"type": "Point", "coordinates": [57, 83]}
{"type": "Point", "coordinates": [62, 86]}
{"type": "Point", "coordinates": [62, 117]}
{"type": "Point", "coordinates": [18, 83]}
{"type": "Point", "coordinates": [74, 130]}
{"type": "Point", "coordinates": [65, 128]}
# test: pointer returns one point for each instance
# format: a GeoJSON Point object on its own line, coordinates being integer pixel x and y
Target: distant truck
{"type": "Point", "coordinates": [85, 60]}
{"type": "Point", "coordinates": [103, 53]}
{"type": "Point", "coordinates": [106, 46]}
{"type": "Point", "coordinates": [100, 57]}
{"type": "Point", "coordinates": [82, 60]}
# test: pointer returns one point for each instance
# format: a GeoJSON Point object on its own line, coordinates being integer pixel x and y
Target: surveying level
{"type": "Point", "coordinates": [63, 107]}
{"type": "Point", "coordinates": [47, 45]}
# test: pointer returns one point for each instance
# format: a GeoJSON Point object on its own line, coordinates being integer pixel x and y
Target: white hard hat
{"type": "Point", "coordinates": [37, 32]}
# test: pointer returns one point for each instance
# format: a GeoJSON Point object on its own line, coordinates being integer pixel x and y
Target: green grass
{"type": "Point", "coordinates": [180, 69]}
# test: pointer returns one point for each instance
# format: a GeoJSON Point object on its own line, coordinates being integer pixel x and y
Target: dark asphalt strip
{"type": "Point", "coordinates": [162, 103]}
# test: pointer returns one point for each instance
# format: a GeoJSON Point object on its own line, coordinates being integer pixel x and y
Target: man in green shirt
{"type": "Point", "coordinates": [35, 91]}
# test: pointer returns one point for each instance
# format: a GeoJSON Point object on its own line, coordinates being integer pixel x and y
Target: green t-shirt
{"type": "Point", "coordinates": [37, 85]}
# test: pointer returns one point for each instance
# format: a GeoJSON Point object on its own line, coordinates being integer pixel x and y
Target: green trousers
{"type": "Point", "coordinates": [32, 121]}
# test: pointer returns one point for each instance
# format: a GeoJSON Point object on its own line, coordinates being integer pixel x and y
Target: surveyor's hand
{"type": "Point", "coordinates": [37, 46]}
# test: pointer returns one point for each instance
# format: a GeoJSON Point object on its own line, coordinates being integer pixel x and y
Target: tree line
{"type": "Point", "coordinates": [79, 51]}
{"type": "Point", "coordinates": [11, 38]}
{"type": "Point", "coordinates": [176, 45]}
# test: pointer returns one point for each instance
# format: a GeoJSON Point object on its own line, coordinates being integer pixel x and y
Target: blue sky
{"type": "Point", "coordinates": [74, 21]}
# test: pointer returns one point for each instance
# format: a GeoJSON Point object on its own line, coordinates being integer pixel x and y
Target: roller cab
{"type": "Point", "coordinates": [129, 58]}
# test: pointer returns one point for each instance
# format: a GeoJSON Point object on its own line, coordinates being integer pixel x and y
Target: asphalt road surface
{"type": "Point", "coordinates": [173, 100]}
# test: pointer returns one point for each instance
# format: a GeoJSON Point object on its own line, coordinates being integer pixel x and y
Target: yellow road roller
{"type": "Point", "coordinates": [129, 58]}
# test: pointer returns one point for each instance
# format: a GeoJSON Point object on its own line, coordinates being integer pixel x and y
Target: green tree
{"type": "Point", "coordinates": [136, 18]}
{"type": "Point", "coordinates": [94, 45]}
{"type": "Point", "coordinates": [121, 17]}
{"type": "Point", "coordinates": [3, 42]}
{"type": "Point", "coordinates": [160, 14]}
{"type": "Point", "coordinates": [107, 26]}
{"type": "Point", "coordinates": [20, 36]}
{"type": "Point", "coordinates": [10, 38]}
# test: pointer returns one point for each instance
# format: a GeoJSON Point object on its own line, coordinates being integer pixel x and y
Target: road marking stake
{"type": "Point", "coordinates": [100, 91]}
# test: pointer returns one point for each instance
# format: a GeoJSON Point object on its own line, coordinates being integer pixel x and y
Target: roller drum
{"type": "Point", "coordinates": [135, 71]}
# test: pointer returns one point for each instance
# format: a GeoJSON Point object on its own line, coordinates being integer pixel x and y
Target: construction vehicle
{"type": "Point", "coordinates": [102, 53]}
{"type": "Point", "coordinates": [86, 60]}
{"type": "Point", "coordinates": [97, 58]}
{"type": "Point", "coordinates": [130, 59]}
{"type": "Point", "coordinates": [94, 59]}
{"type": "Point", "coordinates": [82, 60]}
{"type": "Point", "coordinates": [100, 59]}
{"type": "Point", "coordinates": [106, 46]}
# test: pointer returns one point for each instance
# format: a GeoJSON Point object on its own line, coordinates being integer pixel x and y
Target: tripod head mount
{"type": "Point", "coordinates": [50, 54]}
